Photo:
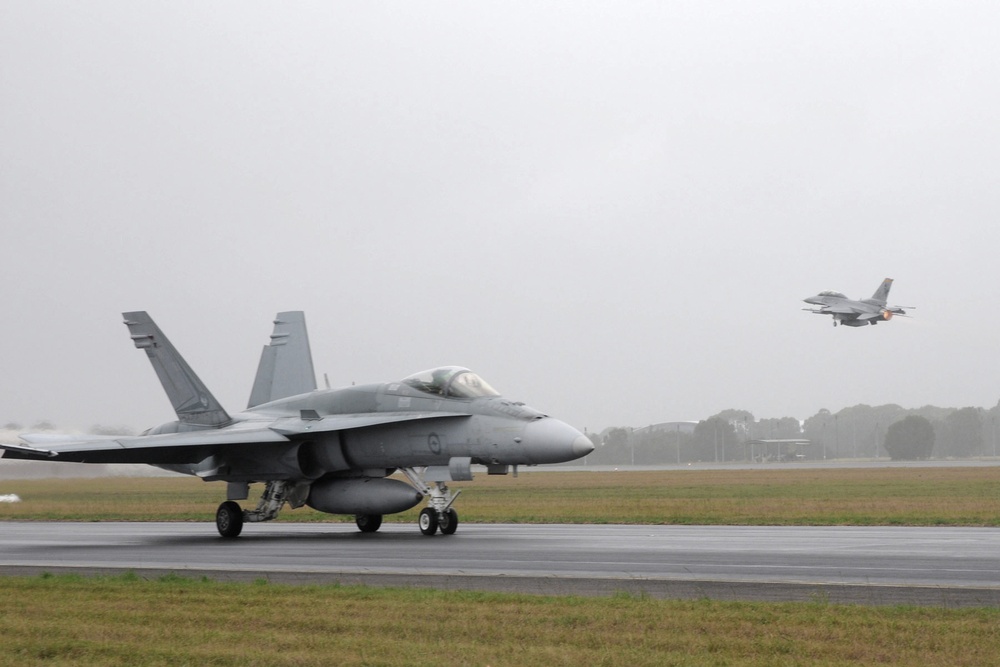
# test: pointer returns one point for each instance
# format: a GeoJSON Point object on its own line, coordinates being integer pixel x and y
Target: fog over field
{"type": "Point", "coordinates": [609, 211]}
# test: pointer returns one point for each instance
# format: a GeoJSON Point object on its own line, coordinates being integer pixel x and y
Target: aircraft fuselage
{"type": "Point", "coordinates": [491, 431]}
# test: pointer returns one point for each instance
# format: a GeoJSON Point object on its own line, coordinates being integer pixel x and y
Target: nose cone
{"type": "Point", "coordinates": [813, 299]}
{"type": "Point", "coordinates": [549, 440]}
{"type": "Point", "coordinates": [582, 446]}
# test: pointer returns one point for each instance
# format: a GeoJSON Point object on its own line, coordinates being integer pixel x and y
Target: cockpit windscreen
{"type": "Point", "coordinates": [451, 381]}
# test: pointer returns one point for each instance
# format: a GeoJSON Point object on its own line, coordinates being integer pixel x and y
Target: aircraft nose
{"type": "Point", "coordinates": [582, 446]}
{"type": "Point", "coordinates": [549, 440]}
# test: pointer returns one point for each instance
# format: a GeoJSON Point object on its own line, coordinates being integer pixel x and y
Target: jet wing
{"type": "Point", "coordinates": [194, 446]}
{"type": "Point", "coordinates": [166, 447]}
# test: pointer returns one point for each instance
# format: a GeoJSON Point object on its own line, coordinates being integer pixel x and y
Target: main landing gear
{"type": "Point", "coordinates": [368, 523]}
{"type": "Point", "coordinates": [229, 518]}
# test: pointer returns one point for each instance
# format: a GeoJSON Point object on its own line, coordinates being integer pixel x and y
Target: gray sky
{"type": "Point", "coordinates": [609, 210]}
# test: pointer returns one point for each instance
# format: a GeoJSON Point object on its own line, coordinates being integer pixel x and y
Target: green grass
{"type": "Point", "coordinates": [124, 620]}
{"type": "Point", "coordinates": [881, 496]}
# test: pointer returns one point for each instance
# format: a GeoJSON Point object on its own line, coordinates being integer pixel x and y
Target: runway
{"type": "Point", "coordinates": [866, 565]}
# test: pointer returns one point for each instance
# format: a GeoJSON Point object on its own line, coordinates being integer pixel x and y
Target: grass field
{"type": "Point", "coordinates": [62, 621]}
{"type": "Point", "coordinates": [57, 621]}
{"type": "Point", "coordinates": [861, 497]}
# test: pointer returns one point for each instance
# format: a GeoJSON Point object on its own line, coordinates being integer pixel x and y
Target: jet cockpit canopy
{"type": "Point", "coordinates": [451, 381]}
{"type": "Point", "coordinates": [830, 292]}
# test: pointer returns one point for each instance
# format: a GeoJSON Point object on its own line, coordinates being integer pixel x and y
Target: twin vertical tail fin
{"type": "Point", "coordinates": [191, 399]}
{"type": "Point", "coordinates": [882, 293]}
{"type": "Point", "coordinates": [286, 367]}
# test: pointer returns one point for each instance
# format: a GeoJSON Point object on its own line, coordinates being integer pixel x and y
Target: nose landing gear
{"type": "Point", "coordinates": [430, 521]}
{"type": "Point", "coordinates": [438, 515]}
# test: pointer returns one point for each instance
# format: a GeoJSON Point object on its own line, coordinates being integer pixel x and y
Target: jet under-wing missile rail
{"type": "Point", "coordinates": [856, 313]}
{"type": "Point", "coordinates": [334, 449]}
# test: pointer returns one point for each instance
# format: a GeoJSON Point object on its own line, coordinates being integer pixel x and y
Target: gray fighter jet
{"type": "Point", "coordinates": [334, 449]}
{"type": "Point", "coordinates": [859, 313]}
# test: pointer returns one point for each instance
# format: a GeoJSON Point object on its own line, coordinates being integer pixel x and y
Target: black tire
{"type": "Point", "coordinates": [449, 522]}
{"type": "Point", "coordinates": [428, 521]}
{"type": "Point", "coordinates": [368, 523]}
{"type": "Point", "coordinates": [229, 519]}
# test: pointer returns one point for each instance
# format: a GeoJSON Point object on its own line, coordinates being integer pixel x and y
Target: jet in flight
{"type": "Point", "coordinates": [333, 450]}
{"type": "Point", "coordinates": [858, 313]}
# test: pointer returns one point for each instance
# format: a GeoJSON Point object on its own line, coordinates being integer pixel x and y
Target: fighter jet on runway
{"type": "Point", "coordinates": [856, 313]}
{"type": "Point", "coordinates": [331, 449]}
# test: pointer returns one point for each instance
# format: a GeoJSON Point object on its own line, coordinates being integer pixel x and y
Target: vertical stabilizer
{"type": "Point", "coordinates": [286, 367]}
{"type": "Point", "coordinates": [192, 401]}
{"type": "Point", "coordinates": [882, 293]}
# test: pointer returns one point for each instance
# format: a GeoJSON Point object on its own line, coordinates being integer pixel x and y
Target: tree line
{"type": "Point", "coordinates": [857, 432]}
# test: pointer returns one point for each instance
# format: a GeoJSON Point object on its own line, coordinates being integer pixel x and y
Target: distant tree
{"type": "Point", "coordinates": [961, 434]}
{"type": "Point", "coordinates": [909, 439]}
{"type": "Point", "coordinates": [714, 439]}
{"type": "Point", "coordinates": [659, 444]}
{"type": "Point", "coordinates": [610, 447]}
{"type": "Point", "coordinates": [733, 416]}
{"type": "Point", "coordinates": [818, 429]}
{"type": "Point", "coordinates": [43, 425]}
{"type": "Point", "coordinates": [13, 426]}
{"type": "Point", "coordinates": [616, 438]}
{"type": "Point", "coordinates": [966, 430]}
{"type": "Point", "coordinates": [991, 426]}
{"type": "Point", "coordinates": [855, 431]}
{"type": "Point", "coordinates": [783, 428]}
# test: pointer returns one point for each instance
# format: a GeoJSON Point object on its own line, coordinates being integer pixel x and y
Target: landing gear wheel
{"type": "Point", "coordinates": [428, 521]}
{"type": "Point", "coordinates": [448, 523]}
{"type": "Point", "coordinates": [229, 519]}
{"type": "Point", "coordinates": [368, 523]}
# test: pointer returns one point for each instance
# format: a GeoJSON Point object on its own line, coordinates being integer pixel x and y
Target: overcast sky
{"type": "Point", "coordinates": [610, 211]}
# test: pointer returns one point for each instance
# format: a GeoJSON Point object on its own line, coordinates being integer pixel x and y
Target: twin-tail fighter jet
{"type": "Point", "coordinates": [333, 449]}
{"type": "Point", "coordinates": [859, 313]}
